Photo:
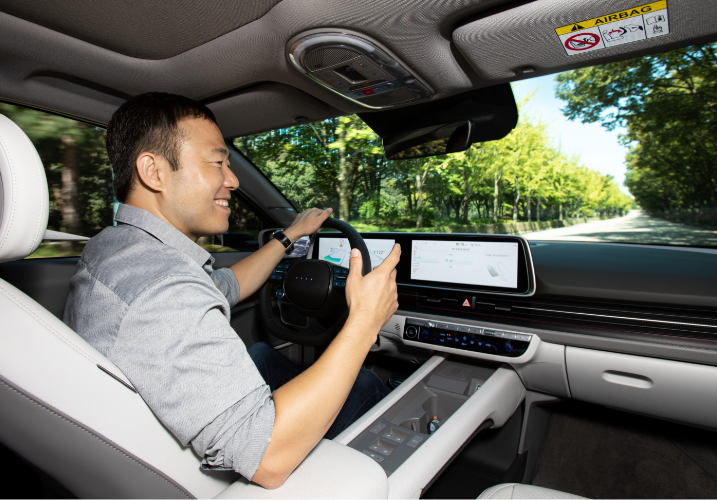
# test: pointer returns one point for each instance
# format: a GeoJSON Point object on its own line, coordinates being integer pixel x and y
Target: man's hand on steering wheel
{"type": "Point", "coordinates": [307, 223]}
{"type": "Point", "coordinates": [373, 298]}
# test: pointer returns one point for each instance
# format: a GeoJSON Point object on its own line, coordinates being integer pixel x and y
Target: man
{"type": "Point", "coordinates": [146, 296]}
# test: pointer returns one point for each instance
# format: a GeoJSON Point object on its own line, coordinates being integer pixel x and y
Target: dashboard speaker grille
{"type": "Point", "coordinates": [394, 97]}
{"type": "Point", "coordinates": [326, 58]}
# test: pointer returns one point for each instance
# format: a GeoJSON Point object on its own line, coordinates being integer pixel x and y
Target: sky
{"type": "Point", "coordinates": [597, 147]}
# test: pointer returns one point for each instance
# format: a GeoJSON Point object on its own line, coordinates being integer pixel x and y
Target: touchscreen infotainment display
{"type": "Point", "coordinates": [338, 251]}
{"type": "Point", "coordinates": [478, 263]}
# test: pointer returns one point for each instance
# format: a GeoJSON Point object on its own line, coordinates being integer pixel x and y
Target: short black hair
{"type": "Point", "coordinates": [148, 123]}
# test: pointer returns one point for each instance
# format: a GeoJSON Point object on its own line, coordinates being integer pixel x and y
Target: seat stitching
{"type": "Point", "coordinates": [12, 297]}
{"type": "Point", "coordinates": [95, 436]}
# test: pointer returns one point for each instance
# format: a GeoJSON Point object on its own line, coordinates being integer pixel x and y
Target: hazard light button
{"type": "Point", "coordinates": [466, 302]}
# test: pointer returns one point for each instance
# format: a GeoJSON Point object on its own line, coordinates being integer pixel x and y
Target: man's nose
{"type": "Point", "coordinates": [230, 180]}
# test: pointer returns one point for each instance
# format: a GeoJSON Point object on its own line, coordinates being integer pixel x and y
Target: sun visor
{"type": "Point", "coordinates": [267, 106]}
{"type": "Point", "coordinates": [548, 36]}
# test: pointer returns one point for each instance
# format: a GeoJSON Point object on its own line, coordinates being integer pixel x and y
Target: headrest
{"type": "Point", "coordinates": [24, 199]}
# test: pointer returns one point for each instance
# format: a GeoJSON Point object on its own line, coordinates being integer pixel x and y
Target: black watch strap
{"type": "Point", "coordinates": [281, 238]}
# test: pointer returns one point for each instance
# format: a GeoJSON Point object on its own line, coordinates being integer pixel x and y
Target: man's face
{"type": "Point", "coordinates": [198, 193]}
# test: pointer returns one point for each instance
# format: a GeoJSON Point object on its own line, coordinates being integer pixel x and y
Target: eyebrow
{"type": "Point", "coordinates": [221, 150]}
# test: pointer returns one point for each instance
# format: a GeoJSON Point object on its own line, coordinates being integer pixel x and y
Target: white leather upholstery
{"type": "Point", "coordinates": [523, 491]}
{"type": "Point", "coordinates": [24, 200]}
{"type": "Point", "coordinates": [50, 364]}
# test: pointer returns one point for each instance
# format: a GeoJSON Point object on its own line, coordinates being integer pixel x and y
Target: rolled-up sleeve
{"type": "Point", "coordinates": [177, 348]}
{"type": "Point", "coordinates": [226, 281]}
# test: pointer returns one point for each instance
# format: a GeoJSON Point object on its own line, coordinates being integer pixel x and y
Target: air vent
{"type": "Point", "coordinates": [357, 68]}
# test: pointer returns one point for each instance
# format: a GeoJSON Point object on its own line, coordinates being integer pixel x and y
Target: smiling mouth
{"type": "Point", "coordinates": [222, 203]}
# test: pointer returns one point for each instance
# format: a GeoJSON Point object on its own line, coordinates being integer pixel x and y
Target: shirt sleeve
{"type": "Point", "coordinates": [226, 281]}
{"type": "Point", "coordinates": [178, 350]}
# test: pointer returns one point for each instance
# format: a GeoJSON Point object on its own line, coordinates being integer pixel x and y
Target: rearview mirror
{"type": "Point", "coordinates": [430, 141]}
{"type": "Point", "coordinates": [448, 125]}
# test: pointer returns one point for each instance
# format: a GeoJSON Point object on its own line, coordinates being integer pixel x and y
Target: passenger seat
{"type": "Point", "coordinates": [523, 491]}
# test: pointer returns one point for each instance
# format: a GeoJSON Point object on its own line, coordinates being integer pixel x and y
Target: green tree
{"type": "Point", "coordinates": [668, 102]}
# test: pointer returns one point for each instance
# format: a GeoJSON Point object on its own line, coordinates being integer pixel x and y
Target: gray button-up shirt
{"type": "Point", "coordinates": [146, 297]}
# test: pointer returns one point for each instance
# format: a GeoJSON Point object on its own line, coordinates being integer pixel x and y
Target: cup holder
{"type": "Point", "coordinates": [431, 403]}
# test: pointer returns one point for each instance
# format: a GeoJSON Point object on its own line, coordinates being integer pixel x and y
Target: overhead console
{"type": "Point", "coordinates": [356, 67]}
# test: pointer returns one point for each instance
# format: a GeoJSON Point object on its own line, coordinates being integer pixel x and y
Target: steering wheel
{"type": "Point", "coordinates": [305, 302]}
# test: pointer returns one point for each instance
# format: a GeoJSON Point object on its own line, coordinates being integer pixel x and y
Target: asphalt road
{"type": "Point", "coordinates": [635, 227]}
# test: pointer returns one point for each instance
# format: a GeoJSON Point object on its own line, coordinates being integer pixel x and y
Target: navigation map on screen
{"type": "Point", "coordinates": [466, 262]}
{"type": "Point", "coordinates": [338, 251]}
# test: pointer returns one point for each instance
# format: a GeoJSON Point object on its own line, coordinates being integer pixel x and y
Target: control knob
{"type": "Point", "coordinates": [411, 332]}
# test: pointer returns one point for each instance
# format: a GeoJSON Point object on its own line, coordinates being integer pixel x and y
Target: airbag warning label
{"type": "Point", "coordinates": [630, 25]}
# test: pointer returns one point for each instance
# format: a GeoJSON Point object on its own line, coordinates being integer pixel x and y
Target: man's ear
{"type": "Point", "coordinates": [149, 171]}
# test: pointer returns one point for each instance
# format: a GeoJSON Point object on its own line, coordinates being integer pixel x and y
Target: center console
{"type": "Point", "coordinates": [420, 426]}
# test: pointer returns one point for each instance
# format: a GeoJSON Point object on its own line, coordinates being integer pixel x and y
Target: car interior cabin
{"type": "Point", "coordinates": [556, 334]}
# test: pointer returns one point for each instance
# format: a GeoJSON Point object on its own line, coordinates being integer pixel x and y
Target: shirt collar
{"type": "Point", "coordinates": [163, 231]}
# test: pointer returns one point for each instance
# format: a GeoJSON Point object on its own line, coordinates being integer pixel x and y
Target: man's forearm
{"type": "Point", "coordinates": [308, 405]}
{"type": "Point", "coordinates": [253, 271]}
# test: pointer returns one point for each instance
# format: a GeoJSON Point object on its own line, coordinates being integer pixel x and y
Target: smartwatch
{"type": "Point", "coordinates": [281, 238]}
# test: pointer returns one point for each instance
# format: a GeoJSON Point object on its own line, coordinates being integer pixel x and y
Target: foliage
{"type": "Point", "coordinates": [83, 195]}
{"type": "Point", "coordinates": [668, 102]}
{"type": "Point", "coordinates": [339, 163]}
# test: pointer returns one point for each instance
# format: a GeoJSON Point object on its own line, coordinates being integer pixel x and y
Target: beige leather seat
{"type": "Point", "coordinates": [523, 491]}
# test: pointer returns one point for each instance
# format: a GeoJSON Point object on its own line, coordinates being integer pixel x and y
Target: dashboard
{"type": "Point", "coordinates": [636, 299]}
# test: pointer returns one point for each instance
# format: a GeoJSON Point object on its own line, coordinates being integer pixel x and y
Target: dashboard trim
{"type": "Point", "coordinates": [641, 320]}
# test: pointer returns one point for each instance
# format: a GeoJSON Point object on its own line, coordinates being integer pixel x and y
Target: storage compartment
{"type": "Point", "coordinates": [408, 423]}
{"type": "Point", "coordinates": [438, 396]}
{"type": "Point", "coordinates": [672, 390]}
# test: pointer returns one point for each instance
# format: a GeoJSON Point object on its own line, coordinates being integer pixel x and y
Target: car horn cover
{"type": "Point", "coordinates": [307, 284]}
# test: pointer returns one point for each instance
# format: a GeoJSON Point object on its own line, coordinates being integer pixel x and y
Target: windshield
{"type": "Point", "coordinates": [623, 152]}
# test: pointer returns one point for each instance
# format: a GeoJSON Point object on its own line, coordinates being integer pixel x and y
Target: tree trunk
{"type": "Point", "coordinates": [517, 199]}
{"type": "Point", "coordinates": [419, 201]}
{"type": "Point", "coordinates": [537, 210]}
{"type": "Point", "coordinates": [377, 209]}
{"type": "Point", "coordinates": [466, 196]}
{"type": "Point", "coordinates": [496, 194]}
{"type": "Point", "coordinates": [530, 201]}
{"type": "Point", "coordinates": [70, 210]}
{"type": "Point", "coordinates": [344, 204]}
{"type": "Point", "coordinates": [561, 210]}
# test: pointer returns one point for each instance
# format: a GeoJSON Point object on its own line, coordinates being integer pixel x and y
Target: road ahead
{"type": "Point", "coordinates": [635, 227]}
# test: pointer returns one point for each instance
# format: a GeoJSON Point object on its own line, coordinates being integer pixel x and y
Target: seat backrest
{"type": "Point", "coordinates": [63, 406]}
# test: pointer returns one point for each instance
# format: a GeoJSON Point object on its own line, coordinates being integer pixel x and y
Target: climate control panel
{"type": "Point", "coordinates": [467, 338]}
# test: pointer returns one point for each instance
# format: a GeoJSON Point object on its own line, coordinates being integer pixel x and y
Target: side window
{"type": "Point", "coordinates": [79, 176]}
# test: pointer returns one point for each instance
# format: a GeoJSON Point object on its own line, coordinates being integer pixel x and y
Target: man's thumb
{"type": "Point", "coordinates": [356, 262]}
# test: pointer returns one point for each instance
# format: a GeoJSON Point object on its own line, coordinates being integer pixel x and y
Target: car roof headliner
{"type": "Point", "coordinates": [232, 55]}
